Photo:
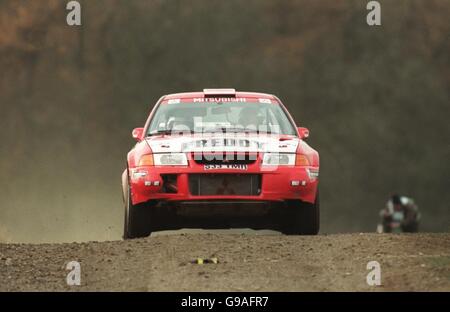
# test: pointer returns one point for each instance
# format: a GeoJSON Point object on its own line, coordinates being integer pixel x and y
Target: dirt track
{"type": "Point", "coordinates": [246, 262]}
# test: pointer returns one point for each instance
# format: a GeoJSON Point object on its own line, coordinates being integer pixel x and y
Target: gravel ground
{"type": "Point", "coordinates": [269, 262]}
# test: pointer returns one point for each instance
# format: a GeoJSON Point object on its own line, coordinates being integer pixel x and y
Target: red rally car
{"type": "Point", "coordinates": [221, 158]}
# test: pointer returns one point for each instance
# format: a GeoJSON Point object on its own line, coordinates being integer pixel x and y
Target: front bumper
{"type": "Point", "coordinates": [276, 184]}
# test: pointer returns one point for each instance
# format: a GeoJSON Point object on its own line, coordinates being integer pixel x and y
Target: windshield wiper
{"type": "Point", "coordinates": [245, 130]}
{"type": "Point", "coordinates": [170, 132]}
{"type": "Point", "coordinates": [160, 132]}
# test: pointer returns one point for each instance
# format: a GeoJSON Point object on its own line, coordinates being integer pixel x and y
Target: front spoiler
{"type": "Point", "coordinates": [275, 186]}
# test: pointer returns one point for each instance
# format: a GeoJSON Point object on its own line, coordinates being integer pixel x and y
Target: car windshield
{"type": "Point", "coordinates": [204, 117]}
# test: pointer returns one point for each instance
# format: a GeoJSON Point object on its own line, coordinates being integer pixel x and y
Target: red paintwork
{"type": "Point", "coordinates": [276, 184]}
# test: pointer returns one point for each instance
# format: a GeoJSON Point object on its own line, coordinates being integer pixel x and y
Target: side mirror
{"type": "Point", "coordinates": [137, 133]}
{"type": "Point", "coordinates": [303, 132]}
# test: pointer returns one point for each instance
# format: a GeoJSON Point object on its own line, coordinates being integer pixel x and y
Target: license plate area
{"type": "Point", "coordinates": [226, 167]}
{"type": "Point", "coordinates": [225, 184]}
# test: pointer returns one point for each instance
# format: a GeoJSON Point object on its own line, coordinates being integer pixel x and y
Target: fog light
{"type": "Point", "coordinates": [148, 183]}
{"type": "Point", "coordinates": [295, 183]}
{"type": "Point", "coordinates": [156, 183]}
{"type": "Point", "coordinates": [139, 174]}
{"type": "Point", "coordinates": [313, 173]}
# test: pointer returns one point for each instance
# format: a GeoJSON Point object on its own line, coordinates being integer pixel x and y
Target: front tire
{"type": "Point", "coordinates": [137, 219]}
{"type": "Point", "coordinates": [305, 218]}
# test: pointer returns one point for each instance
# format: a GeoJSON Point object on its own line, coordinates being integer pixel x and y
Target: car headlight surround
{"type": "Point", "coordinates": [170, 159]}
{"type": "Point", "coordinates": [278, 159]}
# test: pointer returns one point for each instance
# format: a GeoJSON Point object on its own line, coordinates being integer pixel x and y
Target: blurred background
{"type": "Point", "coordinates": [376, 100]}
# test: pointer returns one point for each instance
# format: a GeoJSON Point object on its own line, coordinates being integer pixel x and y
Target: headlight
{"type": "Point", "coordinates": [279, 159]}
{"type": "Point", "coordinates": [172, 159]}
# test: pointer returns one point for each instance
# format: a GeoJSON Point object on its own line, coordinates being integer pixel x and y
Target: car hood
{"type": "Point", "coordinates": [225, 143]}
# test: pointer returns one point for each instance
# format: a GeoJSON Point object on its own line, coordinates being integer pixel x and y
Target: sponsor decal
{"type": "Point", "coordinates": [236, 143]}
{"type": "Point", "coordinates": [219, 99]}
{"type": "Point", "coordinates": [173, 101]}
{"type": "Point", "coordinates": [226, 142]}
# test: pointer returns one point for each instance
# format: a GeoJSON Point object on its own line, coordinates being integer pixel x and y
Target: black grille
{"type": "Point", "coordinates": [224, 159]}
{"type": "Point", "coordinates": [169, 183]}
{"type": "Point", "coordinates": [225, 184]}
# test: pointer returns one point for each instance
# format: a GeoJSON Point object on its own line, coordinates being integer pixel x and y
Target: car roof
{"type": "Point", "coordinates": [238, 94]}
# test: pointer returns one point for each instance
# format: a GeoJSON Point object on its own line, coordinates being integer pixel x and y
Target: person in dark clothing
{"type": "Point", "coordinates": [401, 214]}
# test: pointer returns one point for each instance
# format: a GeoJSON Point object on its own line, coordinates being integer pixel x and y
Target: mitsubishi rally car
{"type": "Point", "coordinates": [220, 159]}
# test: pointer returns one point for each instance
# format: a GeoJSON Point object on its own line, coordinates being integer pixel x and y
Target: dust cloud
{"type": "Point", "coordinates": [376, 102]}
